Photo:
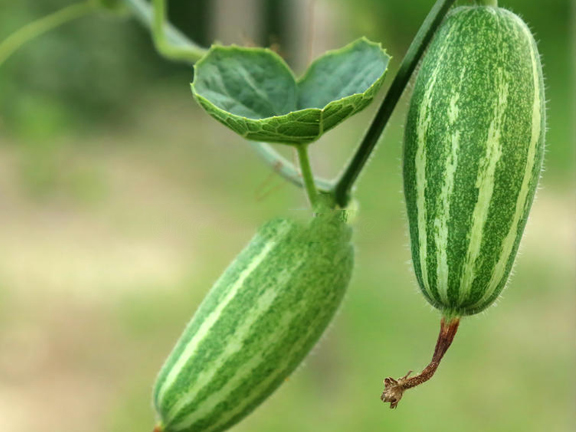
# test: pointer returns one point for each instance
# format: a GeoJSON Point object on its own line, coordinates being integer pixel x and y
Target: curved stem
{"type": "Point", "coordinates": [37, 28]}
{"type": "Point", "coordinates": [307, 175]}
{"type": "Point", "coordinates": [285, 168]}
{"type": "Point", "coordinates": [171, 35]}
{"type": "Point", "coordinates": [350, 174]}
{"type": "Point", "coordinates": [188, 54]}
{"type": "Point", "coordinates": [394, 389]}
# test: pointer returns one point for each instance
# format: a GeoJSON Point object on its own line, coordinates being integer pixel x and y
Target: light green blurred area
{"type": "Point", "coordinates": [121, 202]}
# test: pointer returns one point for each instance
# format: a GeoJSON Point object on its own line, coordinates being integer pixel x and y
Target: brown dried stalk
{"type": "Point", "coordinates": [394, 389]}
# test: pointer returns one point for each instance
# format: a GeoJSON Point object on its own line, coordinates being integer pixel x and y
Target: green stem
{"type": "Point", "coordinates": [285, 168]}
{"type": "Point", "coordinates": [350, 174]}
{"type": "Point", "coordinates": [307, 175]}
{"type": "Point", "coordinates": [187, 54]}
{"type": "Point", "coordinates": [37, 28]}
{"type": "Point", "coordinates": [168, 33]}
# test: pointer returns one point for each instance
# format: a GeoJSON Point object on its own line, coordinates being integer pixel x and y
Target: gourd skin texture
{"type": "Point", "coordinates": [257, 324]}
{"type": "Point", "coordinates": [473, 151]}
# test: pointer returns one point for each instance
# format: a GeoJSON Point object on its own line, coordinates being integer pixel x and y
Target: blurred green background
{"type": "Point", "coordinates": [121, 202]}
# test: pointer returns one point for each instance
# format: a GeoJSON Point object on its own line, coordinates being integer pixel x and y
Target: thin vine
{"type": "Point", "coordinates": [43, 25]}
{"type": "Point", "coordinates": [286, 169]}
{"type": "Point", "coordinates": [189, 53]}
{"type": "Point", "coordinates": [307, 175]}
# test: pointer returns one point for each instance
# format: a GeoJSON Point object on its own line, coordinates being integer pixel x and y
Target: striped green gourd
{"type": "Point", "coordinates": [257, 324]}
{"type": "Point", "coordinates": [473, 150]}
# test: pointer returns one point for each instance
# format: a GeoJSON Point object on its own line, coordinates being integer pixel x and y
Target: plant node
{"type": "Point", "coordinates": [394, 389]}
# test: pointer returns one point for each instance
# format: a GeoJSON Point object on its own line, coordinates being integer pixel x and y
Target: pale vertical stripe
{"type": "Point", "coordinates": [523, 196]}
{"type": "Point", "coordinates": [485, 184]}
{"type": "Point", "coordinates": [212, 318]}
{"type": "Point", "coordinates": [234, 344]}
{"type": "Point", "coordinates": [441, 221]}
{"type": "Point", "coordinates": [257, 391]}
{"type": "Point", "coordinates": [424, 121]}
{"type": "Point", "coordinates": [208, 405]}
{"type": "Point", "coordinates": [421, 181]}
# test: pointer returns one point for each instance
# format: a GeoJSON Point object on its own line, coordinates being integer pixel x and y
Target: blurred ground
{"type": "Point", "coordinates": [110, 235]}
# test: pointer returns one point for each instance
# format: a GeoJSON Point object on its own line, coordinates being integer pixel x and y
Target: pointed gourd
{"type": "Point", "coordinates": [257, 324]}
{"type": "Point", "coordinates": [473, 151]}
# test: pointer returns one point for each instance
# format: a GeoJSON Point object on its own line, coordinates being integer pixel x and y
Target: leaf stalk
{"type": "Point", "coordinates": [188, 53]}
{"type": "Point", "coordinates": [307, 175]}
{"type": "Point", "coordinates": [168, 34]}
{"type": "Point", "coordinates": [286, 169]}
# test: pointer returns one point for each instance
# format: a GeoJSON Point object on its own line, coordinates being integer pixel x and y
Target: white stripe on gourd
{"type": "Point", "coordinates": [207, 405]}
{"type": "Point", "coordinates": [485, 184]}
{"type": "Point", "coordinates": [257, 324]}
{"type": "Point", "coordinates": [441, 224]}
{"type": "Point", "coordinates": [207, 324]}
{"type": "Point", "coordinates": [424, 121]}
{"type": "Point", "coordinates": [233, 345]}
{"type": "Point", "coordinates": [282, 370]}
{"type": "Point", "coordinates": [530, 178]}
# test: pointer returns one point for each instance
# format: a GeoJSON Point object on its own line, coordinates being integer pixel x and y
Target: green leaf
{"type": "Point", "coordinates": [254, 92]}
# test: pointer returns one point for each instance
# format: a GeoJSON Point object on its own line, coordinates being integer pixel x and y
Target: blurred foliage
{"type": "Point", "coordinates": [85, 73]}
